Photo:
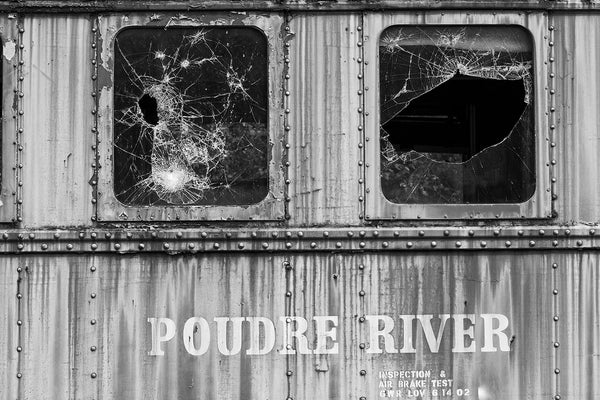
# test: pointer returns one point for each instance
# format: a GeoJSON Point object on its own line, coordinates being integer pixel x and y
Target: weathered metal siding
{"type": "Point", "coordinates": [9, 338]}
{"type": "Point", "coordinates": [577, 83]}
{"type": "Point", "coordinates": [57, 105]}
{"type": "Point", "coordinates": [324, 118]}
{"type": "Point", "coordinates": [70, 306]}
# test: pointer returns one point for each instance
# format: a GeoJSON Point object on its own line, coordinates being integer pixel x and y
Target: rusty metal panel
{"type": "Point", "coordinates": [11, 40]}
{"type": "Point", "coordinates": [57, 120]}
{"type": "Point", "coordinates": [577, 56]}
{"type": "Point", "coordinates": [324, 118]}
{"type": "Point", "coordinates": [577, 325]}
{"type": "Point", "coordinates": [88, 321]}
{"type": "Point", "coordinates": [9, 339]}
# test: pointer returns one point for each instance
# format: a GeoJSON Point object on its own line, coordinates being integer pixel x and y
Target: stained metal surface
{"type": "Point", "coordinates": [57, 107]}
{"type": "Point", "coordinates": [324, 154]}
{"type": "Point", "coordinates": [74, 302]}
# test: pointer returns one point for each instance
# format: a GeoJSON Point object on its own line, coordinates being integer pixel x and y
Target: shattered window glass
{"type": "Point", "coordinates": [190, 116]}
{"type": "Point", "coordinates": [457, 114]}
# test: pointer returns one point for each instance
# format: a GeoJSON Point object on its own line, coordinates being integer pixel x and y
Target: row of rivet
{"type": "Point", "coordinates": [289, 284]}
{"type": "Point", "coordinates": [288, 234]}
{"type": "Point", "coordinates": [551, 117]}
{"type": "Point", "coordinates": [95, 151]}
{"type": "Point", "coordinates": [361, 118]}
{"type": "Point", "coordinates": [93, 322]}
{"type": "Point", "coordinates": [555, 338]}
{"type": "Point", "coordinates": [19, 325]}
{"type": "Point", "coordinates": [18, 192]}
{"type": "Point", "coordinates": [290, 246]}
{"type": "Point", "coordinates": [288, 35]}
{"type": "Point", "coordinates": [362, 335]}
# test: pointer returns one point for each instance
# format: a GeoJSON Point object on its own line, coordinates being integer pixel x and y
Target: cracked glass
{"type": "Point", "coordinates": [457, 114]}
{"type": "Point", "coordinates": [190, 116]}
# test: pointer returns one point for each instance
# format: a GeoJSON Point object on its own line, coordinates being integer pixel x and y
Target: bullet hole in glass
{"type": "Point", "coordinates": [149, 109]}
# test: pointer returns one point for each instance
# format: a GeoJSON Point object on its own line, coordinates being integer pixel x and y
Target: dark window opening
{"type": "Point", "coordinates": [191, 116]}
{"type": "Point", "coordinates": [149, 109]}
{"type": "Point", "coordinates": [457, 115]}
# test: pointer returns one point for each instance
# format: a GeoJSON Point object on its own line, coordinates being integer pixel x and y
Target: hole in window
{"type": "Point", "coordinates": [190, 116]}
{"type": "Point", "coordinates": [457, 116]}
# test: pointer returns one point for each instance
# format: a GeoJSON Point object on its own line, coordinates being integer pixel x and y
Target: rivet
{"type": "Point", "coordinates": [557, 397]}
{"type": "Point", "coordinates": [19, 375]}
{"type": "Point", "coordinates": [19, 269]}
{"type": "Point", "coordinates": [31, 236]}
{"type": "Point", "coordinates": [93, 322]}
{"type": "Point", "coordinates": [216, 246]}
{"type": "Point", "coordinates": [362, 346]}
{"type": "Point", "coordinates": [554, 265]}
{"type": "Point", "coordinates": [555, 243]}
{"type": "Point", "coordinates": [19, 296]}
{"type": "Point", "coordinates": [166, 245]}
{"type": "Point", "coordinates": [458, 244]}
{"type": "Point", "coordinates": [288, 294]}
{"type": "Point", "coordinates": [363, 372]}
{"type": "Point", "coordinates": [108, 235]}
{"type": "Point", "coordinates": [556, 344]}
{"type": "Point", "coordinates": [359, 60]}
{"type": "Point", "coordinates": [93, 246]}
{"type": "Point", "coordinates": [532, 243]}
{"type": "Point", "coordinates": [19, 322]}
{"type": "Point", "coordinates": [434, 244]}
{"type": "Point", "coordinates": [93, 295]}
{"type": "Point", "coordinates": [44, 246]}
{"type": "Point", "coordinates": [117, 246]}
{"type": "Point", "coordinates": [300, 234]}
{"type": "Point", "coordinates": [141, 246]}
{"type": "Point", "coordinates": [362, 244]}
{"type": "Point", "coordinates": [326, 234]}
{"type": "Point", "coordinates": [338, 245]}
{"type": "Point", "coordinates": [69, 246]}
{"type": "Point", "coordinates": [240, 245]}
{"type": "Point", "coordinates": [19, 349]}
{"type": "Point", "coordinates": [361, 319]}
{"type": "Point", "coordinates": [287, 265]}
{"type": "Point", "coordinates": [265, 245]}
{"type": "Point", "coordinates": [551, 28]}
{"type": "Point", "coordinates": [592, 232]}
{"type": "Point", "coordinates": [93, 375]}
{"type": "Point", "coordinates": [555, 291]}
{"type": "Point", "coordinates": [556, 371]}
{"type": "Point", "coordinates": [508, 243]}
{"type": "Point", "coordinates": [289, 373]}
{"type": "Point", "coordinates": [313, 245]}
{"type": "Point", "coordinates": [93, 348]}
{"type": "Point", "coordinates": [580, 243]}
{"type": "Point", "coordinates": [93, 268]}
{"type": "Point", "coordinates": [555, 318]}
{"type": "Point", "coordinates": [496, 232]}
{"type": "Point", "coordinates": [5, 236]}
{"type": "Point", "coordinates": [409, 244]}
{"type": "Point", "coordinates": [567, 232]}
{"type": "Point", "coordinates": [483, 243]}
{"type": "Point", "coordinates": [288, 245]}
{"type": "Point", "coordinates": [20, 246]}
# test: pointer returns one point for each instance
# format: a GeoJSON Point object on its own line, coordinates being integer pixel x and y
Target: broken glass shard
{"type": "Point", "coordinates": [190, 116]}
{"type": "Point", "coordinates": [457, 122]}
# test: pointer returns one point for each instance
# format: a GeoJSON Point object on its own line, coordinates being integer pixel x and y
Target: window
{"type": "Point", "coordinates": [457, 114]}
{"type": "Point", "coordinates": [191, 116]}
{"type": "Point", "coordinates": [188, 117]}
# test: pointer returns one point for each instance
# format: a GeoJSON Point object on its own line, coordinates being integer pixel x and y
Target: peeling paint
{"type": "Point", "coordinates": [9, 49]}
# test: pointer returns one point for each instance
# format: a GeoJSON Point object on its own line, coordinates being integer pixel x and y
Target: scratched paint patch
{"type": "Point", "coordinates": [9, 49]}
{"type": "Point", "coordinates": [190, 120]}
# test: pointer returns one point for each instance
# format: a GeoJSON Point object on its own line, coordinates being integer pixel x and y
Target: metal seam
{"type": "Point", "coordinates": [551, 116]}
{"type": "Point", "coordinates": [19, 123]}
{"type": "Point", "coordinates": [286, 114]}
{"type": "Point", "coordinates": [96, 141]}
{"type": "Point", "coordinates": [362, 169]}
{"type": "Point", "coordinates": [19, 349]}
{"type": "Point", "coordinates": [289, 271]}
{"type": "Point", "coordinates": [361, 333]}
{"type": "Point", "coordinates": [555, 331]}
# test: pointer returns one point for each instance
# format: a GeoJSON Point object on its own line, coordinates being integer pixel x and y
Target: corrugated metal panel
{"type": "Point", "coordinates": [324, 152]}
{"type": "Point", "coordinates": [58, 330]}
{"type": "Point", "coordinates": [57, 121]}
{"type": "Point", "coordinates": [577, 54]}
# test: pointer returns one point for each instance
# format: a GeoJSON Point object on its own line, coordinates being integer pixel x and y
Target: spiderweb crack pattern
{"type": "Point", "coordinates": [417, 60]}
{"type": "Point", "coordinates": [190, 116]}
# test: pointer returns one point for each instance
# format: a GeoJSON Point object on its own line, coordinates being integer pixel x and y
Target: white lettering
{"type": "Point", "coordinates": [385, 332]}
{"type": "Point", "coordinates": [489, 332]}
{"type": "Point", "coordinates": [189, 329]}
{"type": "Point", "coordinates": [157, 338]}
{"type": "Point", "coordinates": [236, 335]}
{"type": "Point", "coordinates": [323, 333]}
{"type": "Point", "coordinates": [269, 337]}
{"type": "Point", "coordinates": [460, 333]}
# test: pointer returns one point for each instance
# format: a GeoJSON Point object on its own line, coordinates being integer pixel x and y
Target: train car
{"type": "Point", "coordinates": [383, 199]}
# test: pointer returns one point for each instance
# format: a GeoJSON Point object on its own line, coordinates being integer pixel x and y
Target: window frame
{"type": "Point", "coordinates": [10, 123]}
{"type": "Point", "coordinates": [377, 206]}
{"type": "Point", "coordinates": [272, 207]}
